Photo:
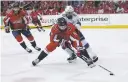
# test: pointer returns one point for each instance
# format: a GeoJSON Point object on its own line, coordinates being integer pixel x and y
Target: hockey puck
{"type": "Point", "coordinates": [111, 74]}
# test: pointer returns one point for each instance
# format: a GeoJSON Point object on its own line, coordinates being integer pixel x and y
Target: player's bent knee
{"type": "Point", "coordinates": [51, 46]}
{"type": "Point", "coordinates": [15, 33]}
{"type": "Point", "coordinates": [19, 38]}
{"type": "Point", "coordinates": [30, 38]}
{"type": "Point", "coordinates": [86, 46]}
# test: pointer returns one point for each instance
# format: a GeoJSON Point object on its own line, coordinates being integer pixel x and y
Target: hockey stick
{"type": "Point", "coordinates": [48, 26]}
{"type": "Point", "coordinates": [106, 70]}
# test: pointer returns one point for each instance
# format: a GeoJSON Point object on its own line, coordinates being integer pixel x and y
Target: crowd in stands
{"type": "Point", "coordinates": [80, 7]}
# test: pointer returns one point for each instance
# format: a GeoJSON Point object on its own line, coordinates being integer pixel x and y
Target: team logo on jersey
{"type": "Point", "coordinates": [18, 21]}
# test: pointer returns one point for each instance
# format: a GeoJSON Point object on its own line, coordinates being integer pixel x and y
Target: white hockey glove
{"type": "Point", "coordinates": [79, 49]}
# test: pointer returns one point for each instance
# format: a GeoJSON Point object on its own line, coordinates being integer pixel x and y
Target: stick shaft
{"type": "Point", "coordinates": [104, 68]}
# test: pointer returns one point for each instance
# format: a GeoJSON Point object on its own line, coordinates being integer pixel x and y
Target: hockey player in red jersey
{"type": "Point", "coordinates": [61, 33]}
{"type": "Point", "coordinates": [35, 17]}
{"type": "Point", "coordinates": [17, 21]}
{"type": "Point", "coordinates": [73, 18]}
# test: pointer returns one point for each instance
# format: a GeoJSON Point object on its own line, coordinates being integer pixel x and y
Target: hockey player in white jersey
{"type": "Point", "coordinates": [73, 18]}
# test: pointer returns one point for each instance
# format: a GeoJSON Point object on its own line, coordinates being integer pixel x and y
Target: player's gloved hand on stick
{"type": "Point", "coordinates": [27, 27]}
{"type": "Point", "coordinates": [7, 29]}
{"type": "Point", "coordinates": [79, 49]}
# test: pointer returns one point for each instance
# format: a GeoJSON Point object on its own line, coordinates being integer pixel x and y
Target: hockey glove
{"type": "Point", "coordinates": [7, 29]}
{"type": "Point", "coordinates": [79, 49]}
{"type": "Point", "coordinates": [27, 27]}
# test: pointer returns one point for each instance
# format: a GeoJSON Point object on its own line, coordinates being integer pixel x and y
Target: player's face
{"type": "Point", "coordinates": [16, 9]}
{"type": "Point", "coordinates": [63, 27]}
{"type": "Point", "coordinates": [69, 15]}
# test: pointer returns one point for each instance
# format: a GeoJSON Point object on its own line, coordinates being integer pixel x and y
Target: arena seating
{"type": "Point", "coordinates": [80, 7]}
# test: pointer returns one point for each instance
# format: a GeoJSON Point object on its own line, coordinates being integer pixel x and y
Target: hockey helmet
{"type": "Point", "coordinates": [69, 12]}
{"type": "Point", "coordinates": [69, 9]}
{"type": "Point", "coordinates": [62, 23]}
{"type": "Point", "coordinates": [16, 7]}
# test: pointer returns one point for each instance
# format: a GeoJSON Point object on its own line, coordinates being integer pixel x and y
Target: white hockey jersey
{"type": "Point", "coordinates": [74, 20]}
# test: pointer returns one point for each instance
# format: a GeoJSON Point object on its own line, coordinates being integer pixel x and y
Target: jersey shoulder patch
{"type": "Point", "coordinates": [55, 29]}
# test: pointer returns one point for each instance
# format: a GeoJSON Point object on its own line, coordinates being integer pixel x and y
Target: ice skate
{"type": "Point", "coordinates": [95, 59]}
{"type": "Point", "coordinates": [37, 48]}
{"type": "Point", "coordinates": [72, 58]}
{"type": "Point", "coordinates": [40, 29]}
{"type": "Point", "coordinates": [35, 62]}
{"type": "Point", "coordinates": [90, 63]}
{"type": "Point", "coordinates": [43, 29]}
{"type": "Point", "coordinates": [28, 50]}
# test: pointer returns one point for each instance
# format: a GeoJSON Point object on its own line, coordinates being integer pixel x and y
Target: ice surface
{"type": "Point", "coordinates": [111, 45]}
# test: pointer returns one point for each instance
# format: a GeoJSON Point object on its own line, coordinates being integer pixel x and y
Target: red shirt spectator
{"type": "Point", "coordinates": [76, 9]}
{"type": "Point", "coordinates": [48, 12]}
{"type": "Point", "coordinates": [62, 10]}
{"type": "Point", "coordinates": [126, 10]}
{"type": "Point", "coordinates": [106, 9]}
{"type": "Point", "coordinates": [54, 11]}
{"type": "Point", "coordinates": [100, 9]}
{"type": "Point", "coordinates": [85, 11]}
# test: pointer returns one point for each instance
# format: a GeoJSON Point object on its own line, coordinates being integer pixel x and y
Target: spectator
{"type": "Point", "coordinates": [80, 7]}
{"type": "Point", "coordinates": [120, 9]}
{"type": "Point", "coordinates": [100, 9]}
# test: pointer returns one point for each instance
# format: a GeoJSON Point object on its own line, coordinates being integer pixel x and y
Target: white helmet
{"type": "Point", "coordinates": [69, 9]}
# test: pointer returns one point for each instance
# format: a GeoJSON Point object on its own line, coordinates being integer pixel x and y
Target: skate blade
{"type": "Point", "coordinates": [92, 65]}
{"type": "Point", "coordinates": [71, 61]}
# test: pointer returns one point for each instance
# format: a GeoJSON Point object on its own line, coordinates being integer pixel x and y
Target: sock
{"type": "Point", "coordinates": [33, 43]}
{"type": "Point", "coordinates": [42, 55]}
{"type": "Point", "coordinates": [23, 45]}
